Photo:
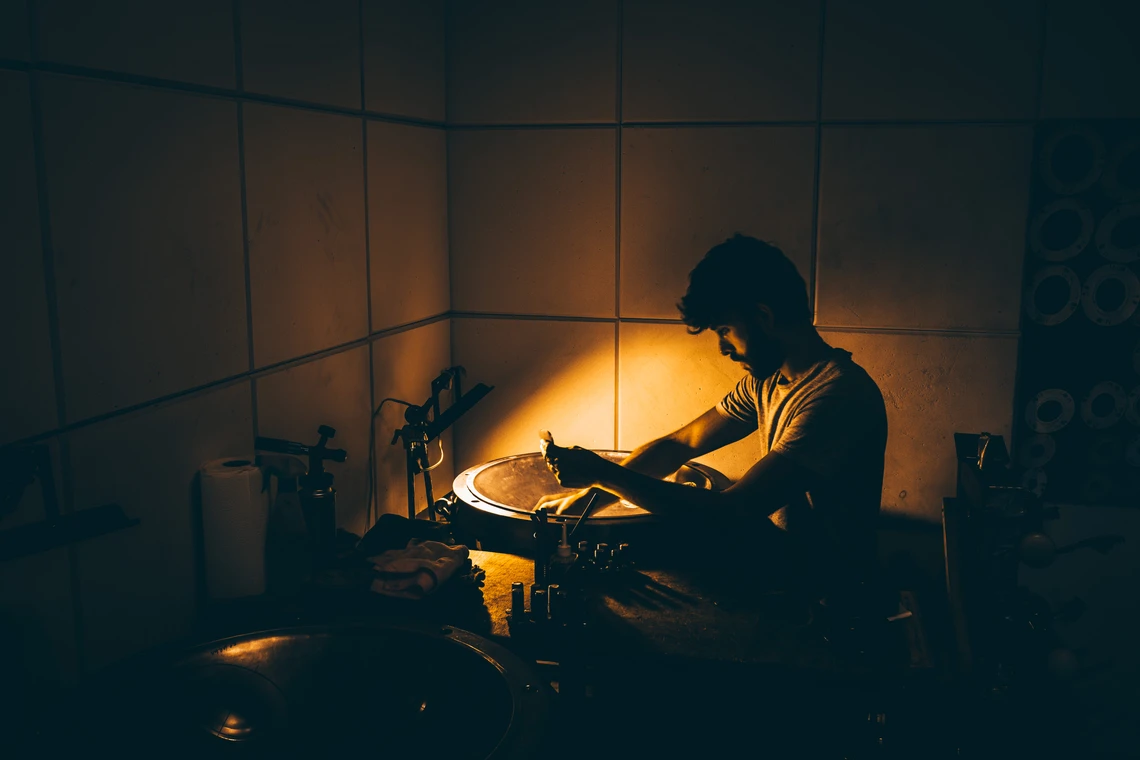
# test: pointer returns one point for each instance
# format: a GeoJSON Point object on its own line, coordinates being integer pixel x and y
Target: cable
{"type": "Point", "coordinates": [437, 464]}
{"type": "Point", "coordinates": [370, 513]}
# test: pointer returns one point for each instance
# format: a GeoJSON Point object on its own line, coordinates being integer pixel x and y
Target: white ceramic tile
{"type": "Point", "coordinates": [333, 391]}
{"type": "Point", "coordinates": [526, 63]}
{"type": "Point", "coordinates": [532, 221]}
{"type": "Point", "coordinates": [922, 226]}
{"type": "Point", "coordinates": [933, 386]}
{"type": "Point", "coordinates": [138, 584]}
{"type": "Point", "coordinates": [404, 58]}
{"type": "Point", "coordinates": [722, 60]}
{"type": "Point", "coordinates": [187, 40]}
{"type": "Point", "coordinates": [404, 365]}
{"type": "Point", "coordinates": [302, 50]}
{"type": "Point", "coordinates": [1092, 63]}
{"type": "Point", "coordinates": [669, 378]}
{"type": "Point", "coordinates": [894, 59]}
{"type": "Point", "coordinates": [407, 218]}
{"type": "Point", "coordinates": [27, 386]}
{"type": "Point", "coordinates": [37, 625]}
{"type": "Point", "coordinates": [685, 190]}
{"type": "Point", "coordinates": [548, 375]}
{"type": "Point", "coordinates": [14, 29]}
{"type": "Point", "coordinates": [307, 260]}
{"type": "Point", "coordinates": [146, 231]}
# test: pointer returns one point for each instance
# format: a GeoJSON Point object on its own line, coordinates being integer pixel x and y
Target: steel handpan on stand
{"type": "Point", "coordinates": [494, 503]}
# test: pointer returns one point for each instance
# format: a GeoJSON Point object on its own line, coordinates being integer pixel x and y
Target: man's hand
{"type": "Point", "coordinates": [575, 467]}
{"type": "Point", "coordinates": [574, 503]}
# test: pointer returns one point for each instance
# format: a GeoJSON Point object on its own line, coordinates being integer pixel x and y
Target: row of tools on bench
{"type": "Point", "coordinates": [563, 576]}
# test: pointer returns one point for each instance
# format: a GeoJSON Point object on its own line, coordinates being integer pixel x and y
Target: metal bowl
{"type": "Point", "coordinates": [393, 690]}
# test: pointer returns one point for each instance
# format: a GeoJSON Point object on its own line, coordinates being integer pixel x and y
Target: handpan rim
{"type": "Point", "coordinates": [467, 491]}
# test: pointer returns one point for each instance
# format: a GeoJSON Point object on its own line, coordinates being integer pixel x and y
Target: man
{"type": "Point", "coordinates": [819, 417]}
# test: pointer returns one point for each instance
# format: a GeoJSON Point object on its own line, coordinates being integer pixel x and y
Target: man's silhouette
{"type": "Point", "coordinates": [819, 417]}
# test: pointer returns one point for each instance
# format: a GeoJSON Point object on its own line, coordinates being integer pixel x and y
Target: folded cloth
{"type": "Point", "coordinates": [394, 531]}
{"type": "Point", "coordinates": [417, 570]}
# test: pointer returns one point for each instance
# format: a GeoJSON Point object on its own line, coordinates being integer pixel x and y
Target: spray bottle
{"type": "Point", "coordinates": [317, 495]}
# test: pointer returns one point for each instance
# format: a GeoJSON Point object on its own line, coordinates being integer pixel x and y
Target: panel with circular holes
{"type": "Point", "coordinates": [1077, 427]}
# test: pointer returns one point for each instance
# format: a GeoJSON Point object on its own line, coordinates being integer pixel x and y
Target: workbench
{"type": "Point", "coordinates": [668, 659]}
{"type": "Point", "coordinates": [674, 613]}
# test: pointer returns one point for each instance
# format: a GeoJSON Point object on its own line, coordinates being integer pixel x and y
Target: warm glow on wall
{"type": "Point", "coordinates": [548, 375]}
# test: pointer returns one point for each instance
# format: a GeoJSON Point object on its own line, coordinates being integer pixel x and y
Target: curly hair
{"type": "Point", "coordinates": [735, 276]}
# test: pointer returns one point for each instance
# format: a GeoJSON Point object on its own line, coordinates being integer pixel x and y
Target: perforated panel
{"type": "Point", "coordinates": [1078, 415]}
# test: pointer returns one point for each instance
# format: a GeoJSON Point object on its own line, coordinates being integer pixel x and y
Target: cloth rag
{"type": "Point", "coordinates": [417, 570]}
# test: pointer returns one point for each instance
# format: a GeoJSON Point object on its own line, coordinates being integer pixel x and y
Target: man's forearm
{"type": "Point", "coordinates": [659, 458]}
{"type": "Point", "coordinates": [663, 497]}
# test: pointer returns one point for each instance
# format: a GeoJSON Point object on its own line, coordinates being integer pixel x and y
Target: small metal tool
{"type": "Point", "coordinates": [540, 545]}
{"type": "Point", "coordinates": [585, 513]}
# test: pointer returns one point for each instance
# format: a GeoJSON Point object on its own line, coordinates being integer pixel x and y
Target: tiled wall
{"type": "Point", "coordinates": [221, 224]}
{"type": "Point", "coordinates": [251, 221]}
{"type": "Point", "coordinates": [598, 149]}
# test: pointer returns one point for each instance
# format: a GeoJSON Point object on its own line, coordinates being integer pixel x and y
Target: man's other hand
{"type": "Point", "coordinates": [574, 503]}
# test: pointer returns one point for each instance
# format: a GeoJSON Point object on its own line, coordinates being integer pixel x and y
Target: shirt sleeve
{"type": "Point", "coordinates": [740, 403]}
{"type": "Point", "coordinates": [831, 430]}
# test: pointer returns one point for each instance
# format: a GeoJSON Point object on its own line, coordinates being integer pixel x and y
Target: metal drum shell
{"type": "Point", "coordinates": [499, 527]}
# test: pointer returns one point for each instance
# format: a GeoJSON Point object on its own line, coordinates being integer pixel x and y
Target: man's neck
{"type": "Point", "coordinates": [805, 348]}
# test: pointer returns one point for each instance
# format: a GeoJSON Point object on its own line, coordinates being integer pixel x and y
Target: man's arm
{"type": "Point", "coordinates": [768, 485]}
{"type": "Point", "coordinates": [824, 433]}
{"type": "Point", "coordinates": [664, 456]}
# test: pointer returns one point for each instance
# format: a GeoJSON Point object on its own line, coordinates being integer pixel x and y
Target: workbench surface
{"type": "Point", "coordinates": [675, 613]}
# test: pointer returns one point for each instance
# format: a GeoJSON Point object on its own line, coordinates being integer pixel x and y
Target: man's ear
{"type": "Point", "coordinates": [765, 317]}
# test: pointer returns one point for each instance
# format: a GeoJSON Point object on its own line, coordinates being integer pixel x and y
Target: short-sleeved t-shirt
{"type": "Point", "coordinates": [832, 421]}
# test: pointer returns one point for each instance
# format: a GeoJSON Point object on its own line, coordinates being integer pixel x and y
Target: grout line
{"type": "Point", "coordinates": [370, 508]}
{"type": "Point", "coordinates": [1042, 41]}
{"type": "Point", "coordinates": [527, 317]}
{"type": "Point", "coordinates": [239, 79]}
{"type": "Point", "coordinates": [948, 332]}
{"type": "Point", "coordinates": [451, 360]}
{"type": "Point", "coordinates": [246, 259]}
{"type": "Point", "coordinates": [239, 59]}
{"type": "Point", "coordinates": [209, 91]}
{"type": "Point", "coordinates": [873, 329]}
{"type": "Point", "coordinates": [227, 381]}
{"type": "Point", "coordinates": [652, 320]}
{"type": "Point", "coordinates": [66, 490]}
{"type": "Point", "coordinates": [813, 281]}
{"type": "Point", "coordinates": [922, 122]}
{"type": "Point", "coordinates": [47, 250]}
{"type": "Point", "coordinates": [446, 62]}
{"type": "Point", "coordinates": [447, 208]}
{"type": "Point", "coordinates": [522, 125]}
{"type": "Point", "coordinates": [617, 224]}
{"type": "Point", "coordinates": [455, 434]}
{"type": "Point", "coordinates": [220, 92]}
{"type": "Point", "coordinates": [715, 124]}
{"type": "Point", "coordinates": [443, 316]}
{"type": "Point", "coordinates": [447, 222]}
{"type": "Point", "coordinates": [1016, 431]}
{"type": "Point", "coordinates": [731, 124]}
